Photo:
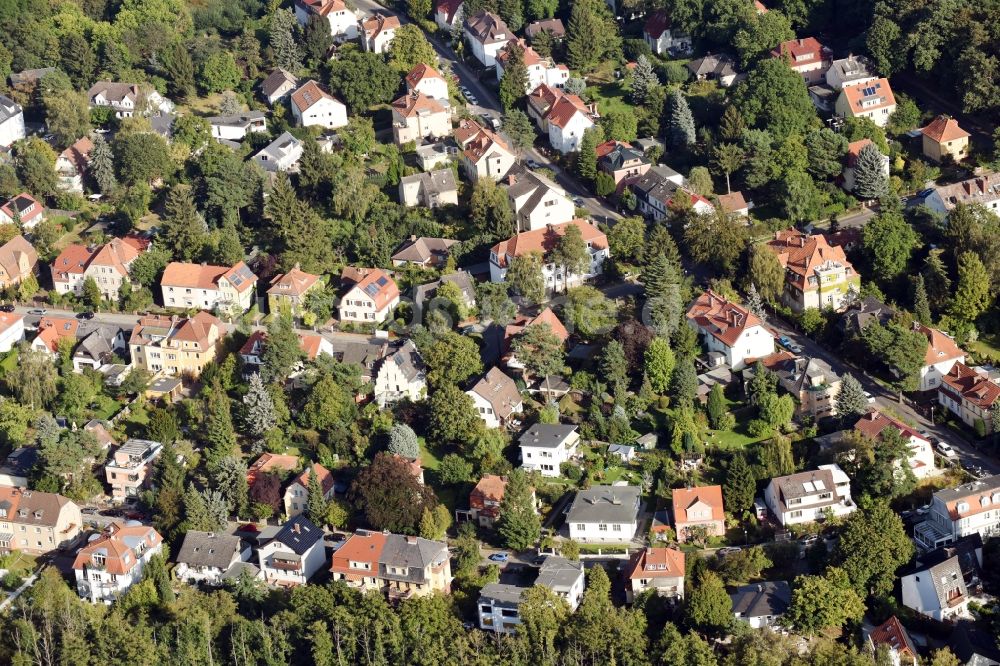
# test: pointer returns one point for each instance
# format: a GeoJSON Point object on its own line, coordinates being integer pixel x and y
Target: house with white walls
{"type": "Point", "coordinates": [425, 79]}
{"type": "Point", "coordinates": [486, 34]}
{"type": "Point", "coordinates": [206, 287]}
{"type": "Point", "coordinates": [313, 106]}
{"type": "Point", "coordinates": [537, 202]}
{"type": "Point", "coordinates": [604, 514]}
{"type": "Point", "coordinates": [378, 31]}
{"type": "Point", "coordinates": [293, 555]}
{"type": "Point", "coordinates": [540, 69]}
{"type": "Point", "coordinates": [544, 241]}
{"type": "Point", "coordinates": [729, 328]}
{"type": "Point", "coordinates": [544, 447]}
{"type": "Point", "coordinates": [11, 121]}
{"type": "Point", "coordinates": [401, 375]}
{"type": "Point", "coordinates": [343, 20]}
{"type": "Point", "coordinates": [870, 99]}
{"type": "Point", "coordinates": [808, 496]}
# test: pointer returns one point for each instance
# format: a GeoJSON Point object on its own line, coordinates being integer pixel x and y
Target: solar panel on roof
{"type": "Point", "coordinates": [371, 290]}
{"type": "Point", "coordinates": [868, 92]}
{"type": "Point", "coordinates": [382, 281]}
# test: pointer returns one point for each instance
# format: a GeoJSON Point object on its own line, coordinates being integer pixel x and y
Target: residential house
{"type": "Point", "coordinates": [36, 523]}
{"type": "Point", "coordinates": [714, 67]}
{"type": "Point", "coordinates": [312, 106]}
{"type": "Point", "coordinates": [864, 312]}
{"type": "Point", "coordinates": [761, 604]}
{"type": "Point", "coordinates": [399, 566]}
{"type": "Point", "coordinates": [175, 346]}
{"type": "Point", "coordinates": [271, 463]}
{"type": "Point", "coordinates": [942, 353]}
{"type": "Point", "coordinates": [294, 554]}
{"type": "Point", "coordinates": [17, 466]}
{"type": "Point", "coordinates": [205, 557]}
{"type": "Point", "coordinates": [983, 189]}
{"type": "Point", "coordinates": [567, 121]}
{"type": "Point", "coordinates": [222, 288]}
{"type": "Point", "coordinates": [131, 467]}
{"type": "Point", "coordinates": [734, 204]}
{"type": "Point", "coordinates": [851, 162]}
{"type": "Point", "coordinates": [484, 501]}
{"type": "Point", "coordinates": [851, 70]}
{"type": "Point", "coordinates": [282, 154]}
{"type": "Point", "coordinates": [602, 514]}
{"type": "Point", "coordinates": [51, 331]}
{"type": "Point", "coordinates": [370, 297]}
{"type": "Point", "coordinates": [108, 565]}
{"type": "Point", "coordinates": [401, 376]}
{"type": "Point", "coordinates": [496, 398]}
{"type": "Point", "coordinates": [11, 330]}
{"type": "Point", "coordinates": [892, 635]}
{"type": "Point", "coordinates": [539, 103]}
{"type": "Point", "coordinates": [522, 322]}
{"type": "Point", "coordinates": [343, 20]}
{"type": "Point", "coordinates": [624, 164]}
{"type": "Point", "coordinates": [424, 251]}
{"type": "Point", "coordinates": [236, 127]}
{"type": "Point", "coordinates": [11, 121]}
{"type": "Point", "coordinates": [809, 379]}
{"type": "Point", "coordinates": [72, 163]}
{"type": "Point", "coordinates": [427, 293]}
{"type": "Point", "coordinates": [809, 496]}
{"type": "Point", "coordinates": [943, 138]}
{"type": "Point", "coordinates": [655, 190]}
{"type": "Point", "coordinates": [288, 291]}
{"type": "Point", "coordinates": [378, 31]}
{"type": "Point", "coordinates": [662, 38]}
{"type": "Point", "coordinates": [817, 275]}
{"type": "Point", "coordinates": [969, 393]}
{"type": "Point", "coordinates": [938, 591]}
{"type": "Point", "coordinates": [805, 56]}
{"type": "Point", "coordinates": [431, 189]}
{"type": "Point", "coordinates": [698, 512]}
{"type": "Point", "coordinates": [366, 354]}
{"type": "Point", "coordinates": [125, 99]}
{"type": "Point", "coordinates": [537, 202]}
{"type": "Point", "coordinates": [553, 26]}
{"type": "Point", "coordinates": [871, 99]}
{"type": "Point", "coordinates": [541, 70]}
{"type": "Point", "coordinates": [296, 497]}
{"type": "Point", "coordinates": [448, 14]}
{"type": "Point", "coordinates": [658, 569]}
{"type": "Point", "coordinates": [920, 459]}
{"type": "Point", "coordinates": [23, 210]}
{"type": "Point", "coordinates": [499, 603]}
{"type": "Point", "coordinates": [971, 508]}
{"type": "Point", "coordinates": [974, 646]}
{"type": "Point", "coordinates": [107, 264]}
{"type": "Point", "coordinates": [544, 447]}
{"type": "Point", "coordinates": [487, 35]}
{"type": "Point", "coordinates": [18, 260]}
{"type": "Point", "coordinates": [484, 153]}
{"type": "Point", "coordinates": [428, 81]}
{"type": "Point", "coordinates": [278, 85]}
{"type": "Point", "coordinates": [544, 241]}
{"type": "Point", "coordinates": [100, 347]}
{"type": "Point", "coordinates": [730, 328]}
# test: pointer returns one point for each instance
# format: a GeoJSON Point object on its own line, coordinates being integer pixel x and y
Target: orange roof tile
{"type": "Point", "coordinates": [414, 103]}
{"type": "Point", "coordinates": [685, 498]}
{"type": "Point", "coordinates": [419, 73]}
{"type": "Point", "coordinates": [53, 329]}
{"type": "Point", "coordinates": [202, 276]}
{"type": "Point", "coordinates": [546, 316]}
{"type": "Point", "coordinates": [362, 546]}
{"type": "Point", "coordinates": [323, 7]}
{"type": "Point", "coordinates": [801, 254]}
{"type": "Point", "coordinates": [544, 240]}
{"type": "Point", "coordinates": [859, 94]}
{"type": "Point", "coordinates": [874, 422]}
{"type": "Point", "coordinates": [807, 48]}
{"type": "Point", "coordinates": [971, 386]}
{"type": "Point", "coordinates": [72, 260]}
{"type": "Point", "coordinates": [892, 634]}
{"type": "Point", "coordinates": [269, 462]}
{"type": "Point", "coordinates": [720, 317]}
{"type": "Point", "coordinates": [324, 475]}
{"type": "Point", "coordinates": [293, 283]}
{"type": "Point", "coordinates": [943, 129]}
{"type": "Point", "coordinates": [940, 347]}
{"type": "Point", "coordinates": [308, 94]}
{"type": "Point", "coordinates": [378, 286]}
{"type": "Point", "coordinates": [656, 563]}
{"type": "Point", "coordinates": [565, 108]}
{"type": "Point", "coordinates": [119, 557]}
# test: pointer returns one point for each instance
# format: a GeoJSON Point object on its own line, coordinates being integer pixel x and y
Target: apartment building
{"type": "Point", "coordinates": [107, 265]}
{"type": "Point", "coordinates": [36, 523]}
{"type": "Point", "coordinates": [969, 394]}
{"type": "Point", "coordinates": [544, 241]}
{"type": "Point", "coordinates": [397, 565]}
{"type": "Point", "coordinates": [131, 467]}
{"type": "Point", "coordinates": [499, 603]}
{"type": "Point", "coordinates": [294, 554]}
{"type": "Point", "coordinates": [808, 496]}
{"type": "Point", "coordinates": [370, 298]}
{"type": "Point", "coordinates": [288, 291]}
{"type": "Point", "coordinates": [113, 561]}
{"type": "Point", "coordinates": [971, 508]}
{"type": "Point", "coordinates": [205, 287]}
{"type": "Point", "coordinates": [602, 514]}
{"type": "Point", "coordinates": [817, 274]}
{"type": "Point", "coordinates": [175, 346]}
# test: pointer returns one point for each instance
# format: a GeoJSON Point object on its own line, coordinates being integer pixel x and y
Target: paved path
{"type": "Point", "coordinates": [28, 582]}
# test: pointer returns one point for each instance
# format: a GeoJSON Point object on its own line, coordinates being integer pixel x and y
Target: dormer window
{"type": "Point", "coordinates": [99, 559]}
{"type": "Point", "coordinates": [962, 507]}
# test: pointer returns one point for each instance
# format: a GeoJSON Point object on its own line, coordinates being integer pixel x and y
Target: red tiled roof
{"type": "Point", "coordinates": [377, 22]}
{"type": "Point", "coordinates": [874, 422]}
{"type": "Point", "coordinates": [449, 8]}
{"type": "Point", "coordinates": [722, 318]}
{"type": "Point", "coordinates": [270, 462]}
{"type": "Point", "coordinates": [892, 634]}
{"type": "Point", "coordinates": [363, 547]}
{"type": "Point", "coordinates": [943, 129]}
{"type": "Point", "coordinates": [565, 108]}
{"type": "Point", "coordinates": [322, 7]}
{"type": "Point", "coordinates": [79, 154]}
{"type": "Point", "coordinates": [72, 260]}
{"type": "Point", "coordinates": [544, 240]}
{"type": "Point", "coordinates": [324, 475]}
{"type": "Point", "coordinates": [419, 73]}
{"type": "Point", "coordinates": [656, 24]}
{"type": "Point", "coordinates": [53, 329]}
{"type": "Point", "coordinates": [293, 283]}
{"type": "Point", "coordinates": [971, 386]}
{"type": "Point", "coordinates": [684, 498]}
{"type": "Point", "coordinates": [940, 347]}
{"type": "Point", "coordinates": [807, 48]}
{"type": "Point", "coordinates": [115, 550]}
{"type": "Point", "coordinates": [801, 254]}
{"type": "Point", "coordinates": [201, 276]}
{"type": "Point", "coordinates": [22, 201]}
{"type": "Point", "coordinates": [308, 94]}
{"type": "Point", "coordinates": [546, 316]}
{"type": "Point", "coordinates": [415, 102]}
{"type": "Point", "coordinates": [656, 563]}
{"type": "Point", "coordinates": [378, 286]}
{"type": "Point", "coordinates": [879, 88]}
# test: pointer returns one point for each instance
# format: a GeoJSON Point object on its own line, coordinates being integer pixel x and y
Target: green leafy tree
{"type": "Point", "coordinates": [168, 503]}
{"type": "Point", "coordinates": [883, 42]}
{"type": "Point", "coordinates": [872, 546]}
{"type": "Point", "coordinates": [494, 303]}
{"type": "Point", "coordinates": [32, 380]}
{"type": "Point", "coordinates": [620, 124]}
{"type": "Point", "coordinates": [685, 382]}
{"type": "Point", "coordinates": [418, 8]}
{"type": "Point", "coordinates": [410, 48]}
{"type": "Point", "coordinates": [571, 253]}
{"type": "Point", "coordinates": [659, 365]}
{"type": "Point", "coordinates": [709, 607]}
{"type": "Point", "coordinates": [454, 469]}
{"type": "Point", "coordinates": [716, 406]}
{"type": "Point", "coordinates": [921, 303]}
{"type": "Point", "coordinates": [67, 114]}
{"type": "Point", "coordinates": [777, 411]}
{"type": "Point", "coordinates": [520, 526]}
{"type": "Point", "coordinates": [525, 276]}
{"type": "Point", "coordinates": [614, 368]}
{"type": "Point", "coordinates": [514, 83]}
{"type": "Point", "coordinates": [452, 359]}
{"type": "Point", "coordinates": [390, 496]}
{"type": "Point", "coordinates": [219, 72]}
{"type": "Point", "coordinates": [728, 158]}
{"type": "Point", "coordinates": [35, 164]}
{"type": "Point", "coordinates": [330, 405]}
{"type": "Point", "coordinates": [230, 479]}
{"type": "Point", "coordinates": [219, 433]}
{"type": "Point", "coordinates": [717, 239]}
{"type": "Point", "coordinates": [889, 242]}
{"type": "Point", "coordinates": [680, 122]}
{"type": "Point", "coordinates": [543, 616]}
{"type": "Point", "coordinates": [627, 239]}
{"type": "Point", "coordinates": [760, 33]}
{"type": "Point", "coordinates": [142, 158]}
{"type": "Point", "coordinates": [92, 296]}
{"type": "Point", "coordinates": [540, 350]}
{"type": "Point", "coordinates": [363, 79]}
{"type": "Point", "coordinates": [281, 352]}
{"type": "Point", "coordinates": [512, 12]}
{"type": "Point", "coordinates": [179, 69]}
{"type": "Point", "coordinates": [774, 96]}
{"type": "Point", "coordinates": [972, 294]}
{"type": "Point", "coordinates": [490, 211]}
{"type": "Point", "coordinates": [453, 416]}
{"type": "Point", "coordinates": [824, 602]}
{"type": "Point", "coordinates": [316, 506]}
{"type": "Point", "coordinates": [589, 311]}
{"type": "Point", "coordinates": [826, 152]}
{"type": "Point", "coordinates": [870, 181]}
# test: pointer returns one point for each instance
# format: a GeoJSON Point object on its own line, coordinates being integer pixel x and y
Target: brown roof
{"type": "Point", "coordinates": [892, 634]}
{"type": "Point", "coordinates": [500, 391]}
{"type": "Point", "coordinates": [362, 546]}
{"type": "Point", "coordinates": [874, 422]}
{"type": "Point", "coordinates": [38, 508]}
{"type": "Point", "coordinates": [943, 129]}
{"type": "Point", "coordinates": [878, 90]}
{"type": "Point", "coordinates": [324, 475]}
{"type": "Point", "coordinates": [544, 240]}
{"type": "Point", "coordinates": [377, 22]}
{"type": "Point", "coordinates": [15, 252]}
{"type": "Point", "coordinates": [722, 318]}
{"type": "Point", "coordinates": [546, 316]}
{"type": "Point", "coordinates": [293, 283]}
{"type": "Point", "coordinates": [490, 487]}
{"type": "Point", "coordinates": [481, 143]}
{"type": "Point", "coordinates": [424, 249]}
{"type": "Point", "coordinates": [322, 7]}
{"type": "Point", "coordinates": [203, 276]}
{"type": "Point", "coordinates": [197, 329]}
{"type": "Point", "coordinates": [801, 255]}
{"type": "Point", "coordinates": [684, 498]}
{"type": "Point", "coordinates": [414, 103]}
{"type": "Point", "coordinates": [449, 8]}
{"type": "Point", "coordinates": [971, 386]}
{"type": "Point", "coordinates": [308, 94]}
{"type": "Point", "coordinates": [940, 347]}
{"type": "Point", "coordinates": [488, 28]}
{"type": "Point", "coordinates": [733, 202]}
{"type": "Point", "coordinates": [419, 73]}
{"type": "Point", "coordinates": [79, 153]}
{"type": "Point", "coordinates": [543, 97]}
{"type": "Point", "coordinates": [120, 558]}
{"type": "Point", "coordinates": [807, 48]}
{"type": "Point", "coordinates": [529, 55]}
{"type": "Point", "coordinates": [656, 563]}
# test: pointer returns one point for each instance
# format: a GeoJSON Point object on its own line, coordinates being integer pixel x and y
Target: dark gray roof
{"type": "Point", "coordinates": [424, 248]}
{"type": "Point", "coordinates": [299, 534]}
{"type": "Point", "coordinates": [552, 26]}
{"type": "Point", "coordinates": [617, 158]}
{"type": "Point", "coordinates": [462, 279]}
{"type": "Point", "coordinates": [654, 185]}
{"type": "Point", "coordinates": [433, 182]}
{"type": "Point", "coordinates": [413, 553]}
{"type": "Point", "coordinates": [408, 360]}
{"type": "Point", "coordinates": [8, 108]}
{"type": "Point", "coordinates": [502, 594]}
{"type": "Point", "coordinates": [20, 461]}
{"type": "Point", "coordinates": [604, 504]}
{"type": "Point", "coordinates": [239, 120]}
{"type": "Point", "coordinates": [29, 75]}
{"type": "Point", "coordinates": [761, 599]}
{"type": "Point", "coordinates": [558, 573]}
{"type": "Point", "coordinates": [544, 435]}
{"type": "Point", "coordinates": [852, 68]}
{"type": "Point", "coordinates": [719, 65]}
{"type": "Point", "coordinates": [967, 490]}
{"type": "Point", "coordinates": [529, 182]}
{"type": "Point", "coordinates": [163, 124]}
{"type": "Point", "coordinates": [275, 80]}
{"type": "Point", "coordinates": [234, 572]}
{"type": "Point", "coordinates": [974, 646]}
{"type": "Point", "coordinates": [208, 549]}
{"type": "Point", "coordinates": [98, 345]}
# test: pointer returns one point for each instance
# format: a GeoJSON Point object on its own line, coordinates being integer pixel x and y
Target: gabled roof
{"type": "Point", "coordinates": [499, 391]}
{"type": "Point", "coordinates": [656, 563]}
{"type": "Point", "coordinates": [553, 26]}
{"type": "Point", "coordinates": [854, 149]}
{"type": "Point", "coordinates": [940, 347]}
{"type": "Point", "coordinates": [973, 387]}
{"type": "Point", "coordinates": [762, 599]}
{"type": "Point", "coordinates": [118, 545]}
{"type": "Point", "coordinates": [419, 73]}
{"type": "Point", "coordinates": [275, 80]}
{"type": "Point", "coordinates": [299, 534]}
{"type": "Point", "coordinates": [721, 318]}
{"type": "Point", "coordinates": [362, 546]}
{"type": "Point", "coordinates": [53, 329]}
{"type": "Point", "coordinates": [416, 103]}
{"type": "Point", "coordinates": [893, 634]}
{"type": "Point", "coordinates": [15, 252]}
{"type": "Point", "coordinates": [293, 283]}
{"type": "Point", "coordinates": [980, 495]}
{"type": "Point", "coordinates": [208, 549]}
{"type": "Point", "coordinates": [546, 316]}
{"type": "Point", "coordinates": [79, 154]}
{"type": "Point", "coordinates": [324, 475]}
{"type": "Point", "coordinates": [449, 8]}
{"type": "Point", "coordinates": [565, 108]}
{"type": "Point", "coordinates": [874, 422]}
{"type": "Point", "coordinates": [377, 23]}
{"type": "Point", "coordinates": [378, 286]}
{"type": "Point", "coordinates": [733, 202]}
{"type": "Point", "coordinates": [490, 487]}
{"type": "Point", "coordinates": [204, 276]}
{"type": "Point", "coordinates": [321, 7]}
{"type": "Point", "coordinates": [113, 91]}
{"type": "Point", "coordinates": [32, 507]}
{"type": "Point", "coordinates": [20, 204]}
{"type": "Point", "coordinates": [656, 24]}
{"type": "Point", "coordinates": [309, 94]}
{"type": "Point", "coordinates": [544, 240]}
{"type": "Point", "coordinates": [801, 51]}
{"type": "Point", "coordinates": [685, 498]}
{"type": "Point", "coordinates": [943, 129]}
{"type": "Point", "coordinates": [118, 254]}
{"type": "Point", "coordinates": [478, 142]}
{"type": "Point", "coordinates": [198, 329]}
{"type": "Point", "coordinates": [604, 504]}
{"type": "Point", "coordinates": [801, 255]}
{"type": "Point", "coordinates": [424, 248]}
{"type": "Point", "coordinates": [408, 360]}
{"type": "Point", "coordinates": [718, 64]}
{"type": "Point", "coordinates": [488, 28]}
{"type": "Point", "coordinates": [869, 95]}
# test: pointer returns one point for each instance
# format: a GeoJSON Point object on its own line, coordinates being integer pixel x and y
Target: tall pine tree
{"type": "Point", "coordinates": [514, 83]}
{"type": "Point", "coordinates": [281, 33]}
{"type": "Point", "coordinates": [519, 526]}
{"type": "Point", "coordinates": [586, 159]}
{"type": "Point", "coordinates": [870, 180]}
{"type": "Point", "coordinates": [680, 123]}
{"type": "Point", "coordinates": [921, 305]}
{"type": "Point", "coordinates": [219, 433]}
{"type": "Point", "coordinates": [102, 165]}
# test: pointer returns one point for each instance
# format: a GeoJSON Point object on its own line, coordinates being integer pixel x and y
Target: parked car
{"type": "Point", "coordinates": [533, 164]}
{"type": "Point", "coordinates": [870, 398]}
{"type": "Point", "coordinates": [6, 307]}
{"type": "Point", "coordinates": [784, 340]}
{"type": "Point", "coordinates": [499, 557]}
{"type": "Point", "coordinates": [728, 550]}
{"type": "Point", "coordinates": [809, 540]}
{"type": "Point", "coordinates": [794, 348]}
{"type": "Point", "coordinates": [579, 202]}
{"type": "Point", "coordinates": [39, 312]}
{"type": "Point", "coordinates": [944, 448]}
{"type": "Point", "coordinates": [538, 561]}
{"type": "Point", "coordinates": [88, 315]}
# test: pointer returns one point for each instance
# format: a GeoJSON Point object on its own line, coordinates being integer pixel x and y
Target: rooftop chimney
{"type": "Point", "coordinates": [411, 539]}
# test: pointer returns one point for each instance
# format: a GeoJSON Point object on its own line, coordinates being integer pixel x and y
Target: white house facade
{"type": "Point", "coordinates": [604, 514]}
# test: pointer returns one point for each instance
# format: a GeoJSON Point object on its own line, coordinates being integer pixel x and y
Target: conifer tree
{"type": "Point", "coordinates": [755, 304]}
{"type": "Point", "coordinates": [680, 123]}
{"type": "Point", "coordinates": [102, 165]}
{"type": "Point", "coordinates": [851, 400]}
{"type": "Point", "coordinates": [732, 125]}
{"type": "Point", "coordinates": [258, 408]}
{"type": "Point", "coordinates": [519, 526]}
{"type": "Point", "coordinates": [740, 486]}
{"type": "Point", "coordinates": [317, 504]}
{"type": "Point", "coordinates": [921, 305]}
{"type": "Point", "coordinates": [183, 229]}
{"type": "Point", "coordinates": [219, 433]}
{"type": "Point", "coordinates": [514, 83]}
{"type": "Point", "coordinates": [586, 159]}
{"type": "Point", "coordinates": [870, 181]}
{"type": "Point", "coordinates": [644, 80]}
{"type": "Point", "coordinates": [281, 33]}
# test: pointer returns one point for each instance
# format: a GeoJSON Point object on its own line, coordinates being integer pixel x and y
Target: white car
{"type": "Point", "coordinates": [870, 398]}
{"type": "Point", "coordinates": [944, 448]}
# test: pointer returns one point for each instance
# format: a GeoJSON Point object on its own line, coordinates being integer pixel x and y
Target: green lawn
{"type": "Point", "coordinates": [608, 96]}
{"type": "Point", "coordinates": [728, 439]}
{"type": "Point", "coordinates": [9, 361]}
{"type": "Point", "coordinates": [106, 408]}
{"type": "Point", "coordinates": [428, 459]}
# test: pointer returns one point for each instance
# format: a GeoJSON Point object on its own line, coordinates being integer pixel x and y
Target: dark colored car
{"type": "Point", "coordinates": [113, 513]}
{"type": "Point", "coordinates": [6, 307]}
{"type": "Point", "coordinates": [85, 315]}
